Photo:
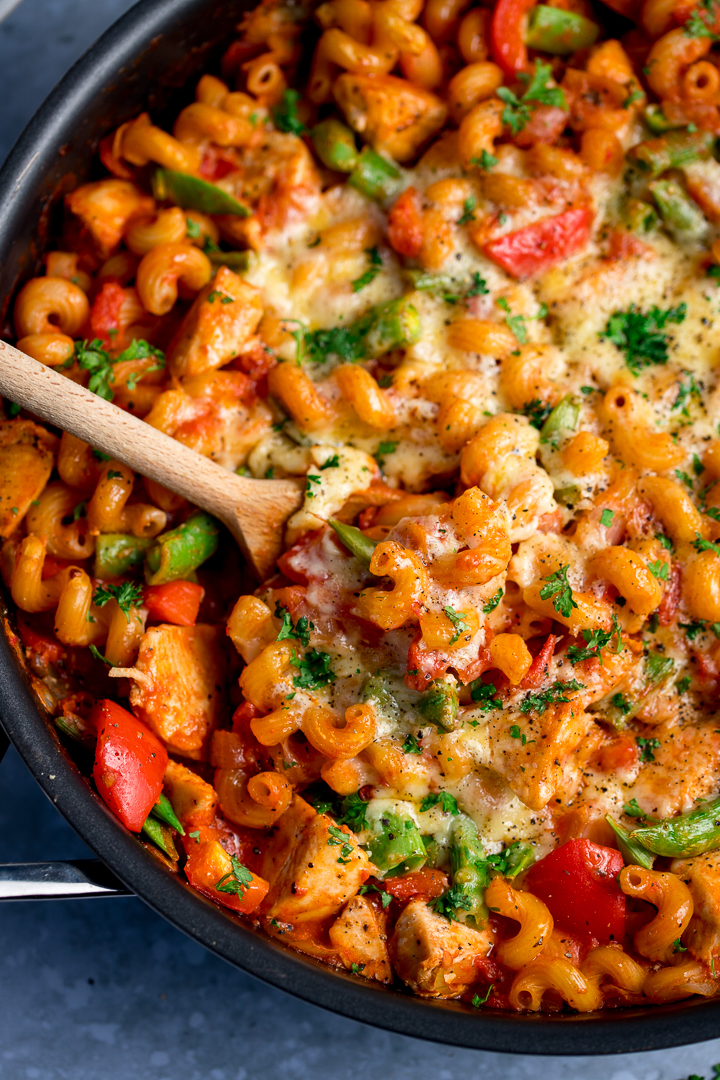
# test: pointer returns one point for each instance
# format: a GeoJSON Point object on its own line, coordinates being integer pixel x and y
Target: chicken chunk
{"type": "Point", "coordinates": [217, 327]}
{"type": "Point", "coordinates": [105, 209]}
{"type": "Point", "coordinates": [178, 685]}
{"type": "Point", "coordinates": [436, 958]}
{"type": "Point", "coordinates": [26, 461]}
{"type": "Point", "coordinates": [684, 768]}
{"type": "Point", "coordinates": [193, 799]}
{"type": "Point", "coordinates": [313, 866]}
{"type": "Point", "coordinates": [702, 875]}
{"type": "Point", "coordinates": [390, 113]}
{"type": "Point", "coordinates": [532, 761]}
{"type": "Point", "coordinates": [359, 939]}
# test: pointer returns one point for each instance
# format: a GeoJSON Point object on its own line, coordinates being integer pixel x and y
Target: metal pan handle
{"type": "Point", "coordinates": [56, 880]}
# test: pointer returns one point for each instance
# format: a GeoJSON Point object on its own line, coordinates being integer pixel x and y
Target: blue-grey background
{"type": "Point", "coordinates": [106, 989]}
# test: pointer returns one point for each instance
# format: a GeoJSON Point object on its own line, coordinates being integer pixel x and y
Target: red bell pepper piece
{"type": "Point", "coordinates": [425, 883]}
{"type": "Point", "coordinates": [539, 246]}
{"type": "Point", "coordinates": [176, 602]}
{"type": "Point", "coordinates": [105, 315]}
{"type": "Point", "coordinates": [507, 34]}
{"type": "Point", "coordinates": [130, 764]}
{"type": "Point", "coordinates": [578, 883]}
{"type": "Point", "coordinates": [209, 865]}
{"type": "Point", "coordinates": [404, 225]}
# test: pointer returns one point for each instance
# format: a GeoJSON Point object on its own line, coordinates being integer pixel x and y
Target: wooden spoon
{"type": "Point", "coordinates": [254, 511]}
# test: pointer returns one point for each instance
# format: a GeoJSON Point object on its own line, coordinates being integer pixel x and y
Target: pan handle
{"type": "Point", "coordinates": [58, 881]}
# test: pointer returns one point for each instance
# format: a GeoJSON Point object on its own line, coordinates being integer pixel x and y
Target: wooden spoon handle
{"type": "Point", "coordinates": [254, 510]}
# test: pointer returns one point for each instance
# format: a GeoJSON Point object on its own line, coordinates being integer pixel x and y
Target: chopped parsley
{"type": "Point", "coordinates": [705, 545]}
{"type": "Point", "coordinates": [192, 229]}
{"type": "Point", "coordinates": [100, 456]}
{"type": "Point", "coordinates": [99, 656]}
{"type": "Point", "coordinates": [659, 569]}
{"type": "Point", "coordinates": [683, 685]}
{"type": "Point", "coordinates": [678, 946]}
{"type": "Point", "coordinates": [385, 898]}
{"type": "Point", "coordinates": [331, 463]}
{"type": "Point", "coordinates": [621, 703]}
{"type": "Point", "coordinates": [606, 518]}
{"type": "Point", "coordinates": [221, 296]}
{"type": "Point", "coordinates": [595, 641]}
{"type": "Point", "coordinates": [300, 631]}
{"type": "Point", "coordinates": [554, 695]}
{"type": "Point", "coordinates": [685, 479]}
{"type": "Point", "coordinates": [468, 213]}
{"type": "Point", "coordinates": [537, 412]}
{"type": "Point", "coordinates": [485, 161]}
{"type": "Point", "coordinates": [340, 839]}
{"type": "Point", "coordinates": [658, 667]}
{"type": "Point", "coordinates": [516, 114]}
{"type": "Point", "coordinates": [353, 812]}
{"type": "Point", "coordinates": [128, 595]}
{"type": "Point", "coordinates": [483, 694]}
{"type": "Point", "coordinates": [236, 880]}
{"type": "Point", "coordinates": [479, 284]}
{"type": "Point", "coordinates": [93, 358]}
{"type": "Point", "coordinates": [632, 809]}
{"type": "Point", "coordinates": [411, 745]}
{"type": "Point", "coordinates": [516, 733]}
{"type": "Point", "coordinates": [493, 602]}
{"type": "Point", "coordinates": [476, 1001]}
{"type": "Point", "coordinates": [665, 541]}
{"type": "Point", "coordinates": [640, 335]}
{"type": "Point", "coordinates": [311, 479]}
{"type": "Point", "coordinates": [80, 511]}
{"type": "Point", "coordinates": [457, 619]}
{"type": "Point", "coordinates": [370, 274]}
{"type": "Point", "coordinates": [647, 748]}
{"type": "Point", "coordinates": [285, 114]}
{"type": "Point", "coordinates": [443, 799]}
{"type": "Point", "coordinates": [516, 323]}
{"type": "Point", "coordinates": [701, 20]}
{"type": "Point", "coordinates": [385, 448]}
{"type": "Point", "coordinates": [314, 668]}
{"type": "Point", "coordinates": [345, 342]}
{"type": "Point", "coordinates": [558, 588]}
{"type": "Point", "coordinates": [451, 902]}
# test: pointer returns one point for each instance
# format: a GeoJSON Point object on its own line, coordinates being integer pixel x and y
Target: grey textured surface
{"type": "Point", "coordinates": [92, 989]}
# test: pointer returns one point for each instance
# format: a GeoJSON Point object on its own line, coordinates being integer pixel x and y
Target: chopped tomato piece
{"type": "Point", "coordinates": [578, 882]}
{"type": "Point", "coordinates": [539, 246]}
{"type": "Point", "coordinates": [130, 764]}
{"type": "Point", "coordinates": [105, 313]}
{"type": "Point", "coordinates": [538, 669]}
{"type": "Point", "coordinates": [425, 883]}
{"type": "Point", "coordinates": [620, 753]}
{"type": "Point", "coordinates": [404, 228]}
{"type": "Point", "coordinates": [176, 602]}
{"type": "Point", "coordinates": [507, 34]}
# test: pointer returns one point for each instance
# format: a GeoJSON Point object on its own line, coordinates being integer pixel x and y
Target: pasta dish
{"type": "Point", "coordinates": [454, 269]}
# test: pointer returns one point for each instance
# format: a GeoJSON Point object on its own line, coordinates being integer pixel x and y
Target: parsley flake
{"type": "Point", "coordinates": [457, 619]}
{"type": "Point", "coordinates": [128, 595]}
{"type": "Point", "coordinates": [640, 335]}
{"type": "Point", "coordinates": [236, 880]}
{"type": "Point", "coordinates": [558, 588]}
{"type": "Point", "coordinates": [447, 803]}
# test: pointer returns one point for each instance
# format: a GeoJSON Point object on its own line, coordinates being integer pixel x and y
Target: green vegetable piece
{"type": "Point", "coordinates": [177, 553]}
{"type": "Point", "coordinates": [239, 261]}
{"type": "Point", "coordinates": [679, 212]}
{"type": "Point", "coordinates": [192, 193]}
{"type": "Point", "coordinates": [688, 834]}
{"type": "Point", "coordinates": [375, 689]}
{"type": "Point", "coordinates": [568, 495]}
{"type": "Point", "coordinates": [163, 811]}
{"type": "Point", "coordinates": [394, 326]}
{"type": "Point", "coordinates": [470, 872]}
{"type": "Point", "coordinates": [359, 545]}
{"type": "Point", "coordinates": [640, 217]}
{"type": "Point", "coordinates": [671, 151]}
{"type": "Point", "coordinates": [160, 836]}
{"type": "Point", "coordinates": [117, 554]}
{"type": "Point", "coordinates": [375, 176]}
{"type": "Point", "coordinates": [517, 858]}
{"type": "Point", "coordinates": [564, 417]}
{"type": "Point", "coordinates": [334, 144]}
{"type": "Point", "coordinates": [439, 704]}
{"type": "Point", "coordinates": [657, 121]}
{"type": "Point", "coordinates": [559, 32]}
{"type": "Point", "coordinates": [632, 852]}
{"type": "Point", "coordinates": [397, 846]}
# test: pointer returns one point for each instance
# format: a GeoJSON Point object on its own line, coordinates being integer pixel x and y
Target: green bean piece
{"type": "Point", "coordinates": [679, 212]}
{"type": "Point", "coordinates": [163, 811]}
{"type": "Point", "coordinates": [394, 326]}
{"type": "Point", "coordinates": [470, 872]}
{"type": "Point", "coordinates": [192, 193]}
{"type": "Point", "coordinates": [334, 144]}
{"type": "Point", "coordinates": [397, 846]}
{"type": "Point", "coordinates": [160, 836]}
{"type": "Point", "coordinates": [657, 121]}
{"type": "Point", "coordinates": [439, 704]}
{"type": "Point", "coordinates": [117, 554]}
{"type": "Point", "coordinates": [639, 216]}
{"type": "Point", "coordinates": [375, 176]}
{"type": "Point", "coordinates": [517, 858]}
{"type": "Point", "coordinates": [564, 417]}
{"type": "Point", "coordinates": [375, 689]}
{"type": "Point", "coordinates": [239, 261]}
{"type": "Point", "coordinates": [177, 553]}
{"type": "Point", "coordinates": [356, 542]}
{"type": "Point", "coordinates": [433, 850]}
{"type": "Point", "coordinates": [688, 834]}
{"type": "Point", "coordinates": [632, 852]}
{"type": "Point", "coordinates": [559, 32]}
{"type": "Point", "coordinates": [671, 151]}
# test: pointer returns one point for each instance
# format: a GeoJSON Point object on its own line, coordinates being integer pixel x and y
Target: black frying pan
{"type": "Point", "coordinates": [150, 59]}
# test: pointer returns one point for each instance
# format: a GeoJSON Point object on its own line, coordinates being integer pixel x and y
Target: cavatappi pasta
{"type": "Point", "coordinates": [462, 278]}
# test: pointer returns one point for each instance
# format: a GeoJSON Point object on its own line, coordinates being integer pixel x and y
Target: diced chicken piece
{"type": "Point", "coordinates": [436, 958]}
{"type": "Point", "coordinates": [214, 414]}
{"type": "Point", "coordinates": [313, 866]}
{"type": "Point", "coordinates": [684, 770]}
{"type": "Point", "coordinates": [179, 692]}
{"type": "Point", "coordinates": [26, 461]}
{"type": "Point", "coordinates": [193, 799]}
{"type": "Point", "coordinates": [702, 876]}
{"type": "Point", "coordinates": [105, 208]}
{"type": "Point", "coordinates": [390, 113]}
{"type": "Point", "coordinates": [217, 327]}
{"type": "Point", "coordinates": [530, 749]}
{"type": "Point", "coordinates": [360, 940]}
